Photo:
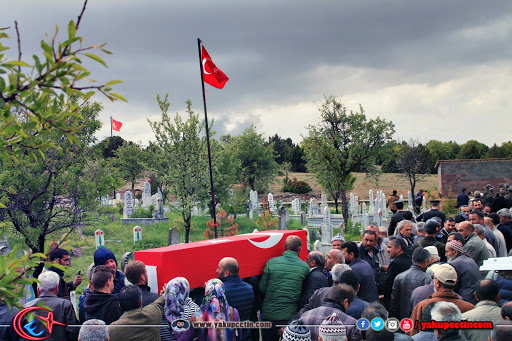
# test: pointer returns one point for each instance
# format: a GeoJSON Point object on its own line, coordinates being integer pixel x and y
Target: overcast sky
{"type": "Point", "coordinates": [437, 69]}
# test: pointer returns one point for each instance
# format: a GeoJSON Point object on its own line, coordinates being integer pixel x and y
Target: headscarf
{"type": "Point", "coordinates": [176, 293]}
{"type": "Point", "coordinates": [215, 307]}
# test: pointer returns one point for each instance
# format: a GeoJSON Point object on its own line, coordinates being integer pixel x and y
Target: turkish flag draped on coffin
{"type": "Point", "coordinates": [211, 74]}
{"type": "Point", "coordinates": [116, 125]}
{"type": "Point", "coordinates": [198, 261]}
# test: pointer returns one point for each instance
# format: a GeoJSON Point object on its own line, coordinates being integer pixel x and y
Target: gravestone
{"type": "Point", "coordinates": [323, 202]}
{"type": "Point", "coordinates": [99, 238]}
{"type": "Point", "coordinates": [174, 237]}
{"type": "Point", "coordinates": [282, 218]}
{"type": "Point", "coordinates": [137, 234]}
{"type": "Point", "coordinates": [317, 246]}
{"type": "Point", "coordinates": [118, 196]}
{"type": "Point", "coordinates": [146, 195]}
{"type": "Point", "coordinates": [315, 210]}
{"type": "Point", "coordinates": [327, 224]}
{"type": "Point", "coordinates": [129, 209]}
{"type": "Point", "coordinates": [296, 205]}
{"type": "Point", "coordinates": [125, 259]}
{"type": "Point", "coordinates": [379, 213]}
{"type": "Point", "coordinates": [358, 209]}
{"type": "Point", "coordinates": [364, 221]}
{"type": "Point", "coordinates": [303, 218]}
{"type": "Point", "coordinates": [271, 203]}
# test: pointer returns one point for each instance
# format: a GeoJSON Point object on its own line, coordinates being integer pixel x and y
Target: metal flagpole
{"type": "Point", "coordinates": [207, 138]}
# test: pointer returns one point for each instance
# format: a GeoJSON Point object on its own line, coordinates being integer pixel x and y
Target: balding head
{"type": "Point", "coordinates": [465, 228]}
{"type": "Point", "coordinates": [334, 256]}
{"type": "Point", "coordinates": [315, 259]}
{"type": "Point", "coordinates": [489, 222]}
{"type": "Point", "coordinates": [227, 266]}
{"type": "Point", "coordinates": [293, 243]}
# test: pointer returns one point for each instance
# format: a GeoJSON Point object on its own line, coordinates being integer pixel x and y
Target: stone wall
{"type": "Point", "coordinates": [473, 174]}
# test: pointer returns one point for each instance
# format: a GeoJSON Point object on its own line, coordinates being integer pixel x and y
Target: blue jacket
{"type": "Point", "coordinates": [240, 295]}
{"type": "Point", "coordinates": [368, 290]}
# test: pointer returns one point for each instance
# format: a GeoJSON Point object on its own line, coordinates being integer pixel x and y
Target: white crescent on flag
{"type": "Point", "coordinates": [272, 241]}
{"type": "Point", "coordinates": [204, 70]}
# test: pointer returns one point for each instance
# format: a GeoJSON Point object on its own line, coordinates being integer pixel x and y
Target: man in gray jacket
{"type": "Point", "coordinates": [474, 245]}
{"type": "Point", "coordinates": [407, 281]}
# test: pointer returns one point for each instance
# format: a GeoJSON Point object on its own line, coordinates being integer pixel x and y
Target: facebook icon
{"type": "Point", "coordinates": [363, 324]}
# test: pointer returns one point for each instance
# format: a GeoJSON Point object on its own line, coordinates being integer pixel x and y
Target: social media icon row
{"type": "Point", "coordinates": [391, 324]}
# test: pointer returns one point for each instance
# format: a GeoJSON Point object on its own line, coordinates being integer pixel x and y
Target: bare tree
{"type": "Point", "coordinates": [413, 160]}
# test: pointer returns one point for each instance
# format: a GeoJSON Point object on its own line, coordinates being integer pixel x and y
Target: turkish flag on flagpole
{"type": "Point", "coordinates": [211, 74]}
{"type": "Point", "coordinates": [116, 125]}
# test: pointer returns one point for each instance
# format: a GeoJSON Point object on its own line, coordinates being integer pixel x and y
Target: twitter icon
{"type": "Point", "coordinates": [363, 324]}
{"type": "Point", "coordinates": [377, 324]}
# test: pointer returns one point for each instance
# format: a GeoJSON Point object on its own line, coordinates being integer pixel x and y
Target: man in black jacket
{"type": "Point", "coordinates": [137, 274]}
{"type": "Point", "coordinates": [100, 303]}
{"type": "Point", "coordinates": [369, 253]}
{"type": "Point", "coordinates": [62, 257]}
{"type": "Point", "coordinates": [316, 279]}
{"type": "Point", "coordinates": [401, 261]}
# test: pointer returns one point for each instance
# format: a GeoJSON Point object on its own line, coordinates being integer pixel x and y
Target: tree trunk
{"type": "Point", "coordinates": [187, 221]}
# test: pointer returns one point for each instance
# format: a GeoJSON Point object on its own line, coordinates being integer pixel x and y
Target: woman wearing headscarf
{"type": "Point", "coordinates": [178, 306]}
{"type": "Point", "coordinates": [214, 308]}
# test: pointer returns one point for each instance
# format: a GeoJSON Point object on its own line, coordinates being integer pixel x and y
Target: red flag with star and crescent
{"type": "Point", "coordinates": [116, 125]}
{"type": "Point", "coordinates": [211, 73]}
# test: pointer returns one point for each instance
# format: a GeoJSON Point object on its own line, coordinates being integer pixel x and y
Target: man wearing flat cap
{"type": "Point", "coordinates": [397, 217]}
{"type": "Point", "coordinates": [445, 278]}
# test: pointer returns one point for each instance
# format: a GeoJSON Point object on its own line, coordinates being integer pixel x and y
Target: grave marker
{"type": "Point", "coordinates": [137, 234]}
{"type": "Point", "coordinates": [99, 238]}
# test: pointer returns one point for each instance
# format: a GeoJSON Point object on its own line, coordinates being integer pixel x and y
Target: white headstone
{"type": "Point", "coordinates": [296, 205]}
{"type": "Point", "coordinates": [365, 215]}
{"type": "Point", "coordinates": [118, 196]}
{"type": "Point", "coordinates": [314, 207]}
{"type": "Point", "coordinates": [271, 203]}
{"type": "Point", "coordinates": [356, 200]}
{"type": "Point", "coordinates": [137, 234]}
{"type": "Point", "coordinates": [327, 224]}
{"type": "Point", "coordinates": [410, 207]}
{"type": "Point", "coordinates": [146, 195]}
{"type": "Point", "coordinates": [99, 238]}
{"type": "Point", "coordinates": [379, 213]}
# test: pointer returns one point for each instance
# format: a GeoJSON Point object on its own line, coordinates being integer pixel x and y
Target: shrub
{"type": "Point", "coordinates": [144, 213]}
{"type": "Point", "coordinates": [266, 221]}
{"type": "Point", "coordinates": [296, 186]}
{"type": "Point", "coordinates": [224, 224]}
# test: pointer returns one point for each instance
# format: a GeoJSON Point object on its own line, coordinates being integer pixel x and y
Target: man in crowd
{"type": "Point", "coordinates": [473, 245]}
{"type": "Point", "coordinates": [478, 204]}
{"type": "Point", "coordinates": [397, 217]}
{"type": "Point", "coordinates": [390, 202]}
{"type": "Point", "coordinates": [368, 290]}
{"type": "Point", "coordinates": [401, 261]}
{"type": "Point", "coordinates": [336, 241]}
{"type": "Point", "coordinates": [130, 300]}
{"type": "Point", "coordinates": [465, 209]}
{"type": "Point", "coordinates": [281, 283]}
{"type": "Point", "coordinates": [239, 294]}
{"type": "Point", "coordinates": [446, 312]}
{"type": "Point", "coordinates": [332, 329]}
{"type": "Point", "coordinates": [369, 252]}
{"type": "Point", "coordinates": [407, 281]}
{"type": "Point", "coordinates": [480, 233]}
{"type": "Point", "coordinates": [93, 330]}
{"type": "Point", "coordinates": [100, 303]}
{"type": "Point", "coordinates": [502, 331]}
{"type": "Point", "coordinates": [316, 278]}
{"type": "Point", "coordinates": [137, 274]}
{"type": "Point", "coordinates": [477, 217]}
{"type": "Point", "coordinates": [467, 271]}
{"type": "Point", "coordinates": [445, 278]}
{"type": "Point", "coordinates": [433, 212]}
{"type": "Point", "coordinates": [418, 201]}
{"type": "Point", "coordinates": [337, 302]}
{"type": "Point", "coordinates": [382, 246]}
{"type": "Point", "coordinates": [334, 256]}
{"type": "Point", "coordinates": [431, 227]}
{"type": "Point", "coordinates": [62, 257]}
{"type": "Point", "coordinates": [505, 226]}
{"type": "Point", "coordinates": [61, 309]}
{"type": "Point", "coordinates": [487, 293]}
{"type": "Point", "coordinates": [449, 227]}
{"type": "Point", "coordinates": [462, 198]}
{"type": "Point", "coordinates": [500, 202]}
{"type": "Point", "coordinates": [405, 233]}
{"type": "Point", "coordinates": [492, 220]}
{"type": "Point", "coordinates": [104, 256]}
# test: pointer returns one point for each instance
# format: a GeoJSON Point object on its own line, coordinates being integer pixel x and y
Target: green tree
{"type": "Point", "coordinates": [130, 161]}
{"type": "Point", "coordinates": [36, 97]}
{"type": "Point", "coordinates": [53, 194]}
{"type": "Point", "coordinates": [256, 164]}
{"type": "Point", "coordinates": [183, 146]}
{"type": "Point", "coordinates": [342, 143]}
{"type": "Point", "coordinates": [472, 150]}
{"type": "Point", "coordinates": [107, 147]}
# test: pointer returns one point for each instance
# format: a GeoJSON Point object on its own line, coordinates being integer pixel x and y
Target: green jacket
{"type": "Point", "coordinates": [150, 314]}
{"type": "Point", "coordinates": [281, 284]}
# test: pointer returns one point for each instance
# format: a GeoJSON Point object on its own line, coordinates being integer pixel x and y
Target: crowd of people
{"type": "Point", "coordinates": [424, 267]}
